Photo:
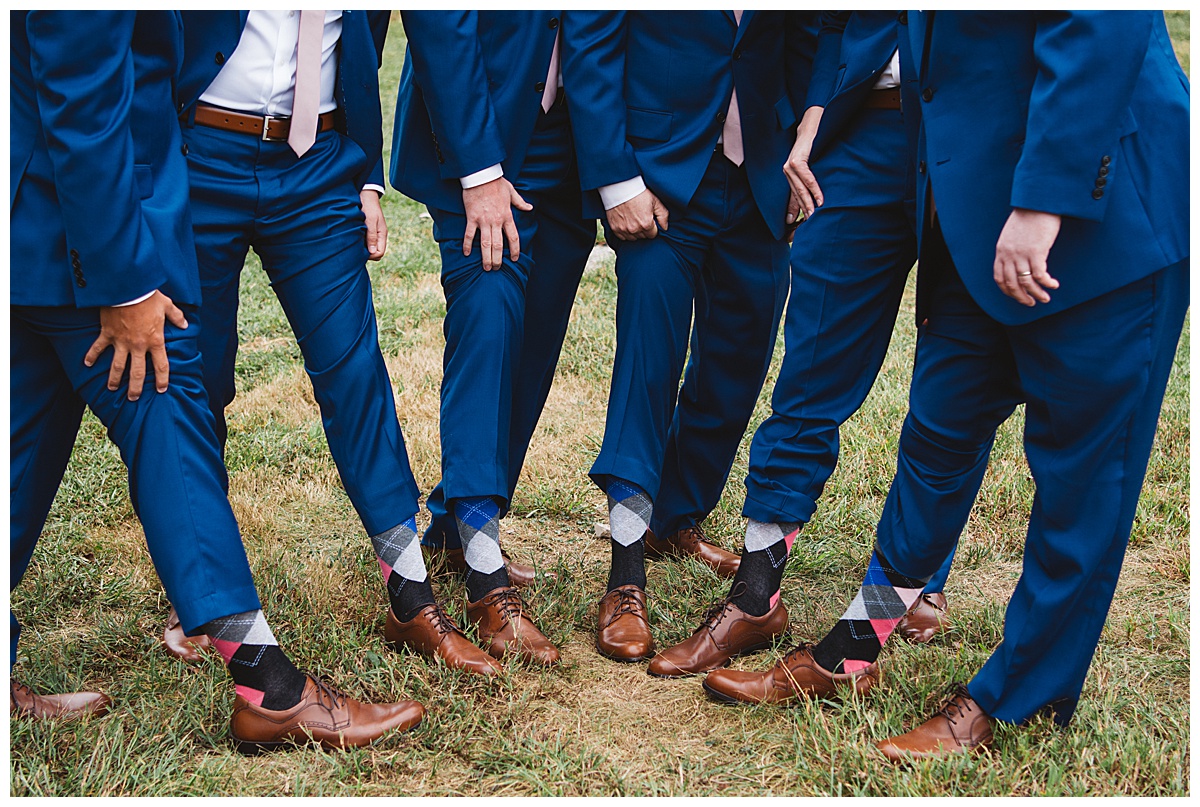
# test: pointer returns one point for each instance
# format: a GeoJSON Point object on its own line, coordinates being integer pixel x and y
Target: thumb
{"type": "Point", "coordinates": [175, 315]}
{"type": "Point", "coordinates": [660, 212]}
{"type": "Point", "coordinates": [518, 202]}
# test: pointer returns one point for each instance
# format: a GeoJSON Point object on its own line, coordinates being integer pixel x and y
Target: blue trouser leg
{"type": "Point", "coordinates": [167, 441]}
{"type": "Point", "coordinates": [657, 282]}
{"type": "Point", "coordinates": [303, 218]}
{"type": "Point", "coordinates": [559, 246]}
{"type": "Point", "coordinates": [737, 310]}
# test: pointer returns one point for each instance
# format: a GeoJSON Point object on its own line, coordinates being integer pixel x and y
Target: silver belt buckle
{"type": "Point", "coordinates": [266, 121]}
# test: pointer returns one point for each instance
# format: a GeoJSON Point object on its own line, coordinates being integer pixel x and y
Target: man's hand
{"type": "Point", "coordinates": [133, 331]}
{"type": "Point", "coordinates": [489, 212]}
{"type": "Point", "coordinates": [1020, 268]}
{"type": "Point", "coordinates": [806, 193]}
{"type": "Point", "coordinates": [376, 224]}
{"type": "Point", "coordinates": [634, 220]}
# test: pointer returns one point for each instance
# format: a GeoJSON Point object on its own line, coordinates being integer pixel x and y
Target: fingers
{"type": "Point", "coordinates": [372, 239]}
{"type": "Point", "coordinates": [793, 206]}
{"type": "Point", "coordinates": [120, 358]}
{"type": "Point", "coordinates": [469, 237]}
{"type": "Point", "coordinates": [1005, 272]}
{"type": "Point", "coordinates": [381, 235]}
{"type": "Point", "coordinates": [493, 250]}
{"type": "Point", "coordinates": [162, 367]}
{"type": "Point", "coordinates": [809, 180]}
{"type": "Point", "coordinates": [514, 239]}
{"type": "Point", "coordinates": [99, 346]}
{"type": "Point", "coordinates": [137, 375]}
{"type": "Point", "coordinates": [661, 214]}
{"type": "Point", "coordinates": [519, 203]}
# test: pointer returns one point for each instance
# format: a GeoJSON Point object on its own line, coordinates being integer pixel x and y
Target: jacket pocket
{"type": "Point", "coordinates": [648, 124]}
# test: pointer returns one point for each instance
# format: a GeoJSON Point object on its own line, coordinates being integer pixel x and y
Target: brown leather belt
{"type": "Point", "coordinates": [266, 127]}
{"type": "Point", "coordinates": [883, 99]}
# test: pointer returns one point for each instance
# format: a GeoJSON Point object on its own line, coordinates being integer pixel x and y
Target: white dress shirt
{"type": "Point", "coordinates": [889, 77]}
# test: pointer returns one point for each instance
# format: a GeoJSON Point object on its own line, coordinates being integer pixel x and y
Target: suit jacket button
{"type": "Point", "coordinates": [1105, 160]}
{"type": "Point", "coordinates": [76, 266]}
{"type": "Point", "coordinates": [903, 18]}
{"type": "Point", "coordinates": [1101, 182]}
{"type": "Point", "coordinates": [219, 58]}
{"type": "Point", "coordinates": [721, 117]}
{"type": "Point", "coordinates": [1103, 171]}
{"type": "Point", "coordinates": [74, 255]}
{"type": "Point", "coordinates": [921, 167]}
{"type": "Point", "coordinates": [184, 149]}
{"type": "Point", "coordinates": [539, 87]}
{"type": "Point", "coordinates": [1096, 194]}
{"type": "Point", "coordinates": [737, 54]}
{"type": "Point", "coordinates": [553, 23]}
{"type": "Point", "coordinates": [927, 94]}
{"type": "Point", "coordinates": [79, 281]}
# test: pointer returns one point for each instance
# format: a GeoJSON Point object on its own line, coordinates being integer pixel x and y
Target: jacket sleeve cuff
{"type": "Point", "coordinates": [621, 192]}
{"type": "Point", "coordinates": [478, 178]}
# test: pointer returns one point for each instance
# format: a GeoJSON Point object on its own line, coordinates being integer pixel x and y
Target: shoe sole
{"type": "Point", "coordinates": [749, 650]}
{"type": "Point", "coordinates": [623, 659]}
{"type": "Point", "coordinates": [721, 697]}
{"type": "Point", "coordinates": [253, 748]}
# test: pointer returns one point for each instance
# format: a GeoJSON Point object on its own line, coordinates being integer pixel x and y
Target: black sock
{"type": "Point", "coordinates": [628, 565]}
{"type": "Point", "coordinates": [404, 573]}
{"type": "Point", "coordinates": [262, 673]}
{"type": "Point", "coordinates": [408, 597]}
{"type": "Point", "coordinates": [764, 557]}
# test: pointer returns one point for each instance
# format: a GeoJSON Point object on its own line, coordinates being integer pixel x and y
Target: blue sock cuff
{"type": "Point", "coordinates": [475, 511]}
{"type": "Point", "coordinates": [620, 490]}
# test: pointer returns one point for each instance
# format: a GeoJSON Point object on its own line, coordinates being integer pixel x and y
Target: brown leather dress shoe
{"type": "Point", "coordinates": [797, 675]}
{"type": "Point", "coordinates": [24, 702]}
{"type": "Point", "coordinates": [690, 541]}
{"type": "Point", "coordinates": [179, 644]}
{"type": "Point", "coordinates": [960, 727]}
{"type": "Point", "coordinates": [519, 574]}
{"type": "Point", "coordinates": [925, 619]}
{"type": "Point", "coordinates": [500, 617]}
{"type": "Point", "coordinates": [323, 715]}
{"type": "Point", "coordinates": [624, 627]}
{"type": "Point", "coordinates": [433, 634]}
{"type": "Point", "coordinates": [725, 632]}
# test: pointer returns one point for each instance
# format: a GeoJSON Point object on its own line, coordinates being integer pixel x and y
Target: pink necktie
{"type": "Point", "coordinates": [551, 91]}
{"type": "Point", "coordinates": [731, 133]}
{"type": "Point", "coordinates": [307, 97]}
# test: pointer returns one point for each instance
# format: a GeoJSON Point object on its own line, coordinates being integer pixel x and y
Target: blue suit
{"type": "Point", "coordinates": [850, 261]}
{"type": "Point", "coordinates": [304, 219]}
{"type": "Point", "coordinates": [653, 89]}
{"type": "Point", "coordinates": [470, 97]}
{"type": "Point", "coordinates": [1084, 115]}
{"type": "Point", "coordinates": [99, 217]}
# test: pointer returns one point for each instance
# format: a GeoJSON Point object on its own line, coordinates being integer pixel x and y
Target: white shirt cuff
{"type": "Point", "coordinates": [481, 177]}
{"type": "Point", "coordinates": [372, 187]}
{"type": "Point", "coordinates": [621, 192]}
{"type": "Point", "coordinates": [141, 299]}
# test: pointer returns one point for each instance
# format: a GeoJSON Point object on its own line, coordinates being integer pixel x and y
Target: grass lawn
{"type": "Point", "coordinates": [93, 609]}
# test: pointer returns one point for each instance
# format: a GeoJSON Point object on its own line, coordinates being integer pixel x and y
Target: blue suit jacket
{"type": "Point", "coordinates": [469, 97]}
{"type": "Point", "coordinates": [648, 91]}
{"type": "Point", "coordinates": [1082, 114]}
{"type": "Point", "coordinates": [98, 186]}
{"type": "Point", "coordinates": [852, 48]}
{"type": "Point", "coordinates": [210, 36]}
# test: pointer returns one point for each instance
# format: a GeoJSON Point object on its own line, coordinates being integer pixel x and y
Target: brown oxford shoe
{"type": "Point", "coordinates": [519, 574]}
{"type": "Point", "coordinates": [725, 632]}
{"type": "Point", "coordinates": [500, 617]}
{"type": "Point", "coordinates": [624, 627]}
{"type": "Point", "coordinates": [323, 715]}
{"type": "Point", "coordinates": [690, 541]}
{"type": "Point", "coordinates": [179, 644]}
{"type": "Point", "coordinates": [24, 702]}
{"type": "Point", "coordinates": [958, 728]}
{"type": "Point", "coordinates": [797, 675]}
{"type": "Point", "coordinates": [432, 633]}
{"type": "Point", "coordinates": [925, 619]}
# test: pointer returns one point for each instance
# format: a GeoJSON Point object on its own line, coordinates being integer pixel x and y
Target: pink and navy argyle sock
{"type": "Point", "coordinates": [629, 512]}
{"type": "Point", "coordinates": [857, 639]}
{"type": "Point", "coordinates": [764, 557]}
{"type": "Point", "coordinates": [404, 574]}
{"type": "Point", "coordinates": [262, 673]}
{"type": "Point", "coordinates": [478, 520]}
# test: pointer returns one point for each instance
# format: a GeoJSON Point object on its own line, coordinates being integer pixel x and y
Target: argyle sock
{"type": "Point", "coordinates": [478, 519]}
{"type": "Point", "coordinates": [399, 555]}
{"type": "Point", "coordinates": [764, 556]}
{"type": "Point", "coordinates": [629, 511]}
{"type": "Point", "coordinates": [262, 673]}
{"type": "Point", "coordinates": [858, 637]}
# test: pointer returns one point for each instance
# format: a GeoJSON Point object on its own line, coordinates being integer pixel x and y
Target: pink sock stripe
{"type": "Point", "coordinates": [909, 595]}
{"type": "Point", "coordinates": [251, 694]}
{"type": "Point", "coordinates": [775, 599]}
{"type": "Point", "coordinates": [226, 649]}
{"type": "Point", "coordinates": [790, 539]}
{"type": "Point", "coordinates": [387, 570]}
{"type": "Point", "coordinates": [853, 665]}
{"type": "Point", "coordinates": [883, 628]}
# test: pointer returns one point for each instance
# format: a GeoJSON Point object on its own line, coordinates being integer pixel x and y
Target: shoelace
{"type": "Point", "coordinates": [716, 612]}
{"type": "Point", "coordinates": [958, 705]}
{"type": "Point", "coordinates": [794, 654]}
{"type": "Point", "coordinates": [441, 622]}
{"type": "Point", "coordinates": [329, 696]}
{"type": "Point", "coordinates": [507, 601]}
{"type": "Point", "coordinates": [628, 604]}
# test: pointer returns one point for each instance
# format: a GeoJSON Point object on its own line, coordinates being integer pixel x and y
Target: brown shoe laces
{"type": "Point", "coordinates": [628, 605]}
{"type": "Point", "coordinates": [441, 623]}
{"type": "Point", "coordinates": [507, 601]}
{"type": "Point", "coordinates": [328, 695]}
{"type": "Point", "coordinates": [717, 611]}
{"type": "Point", "coordinates": [958, 705]}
